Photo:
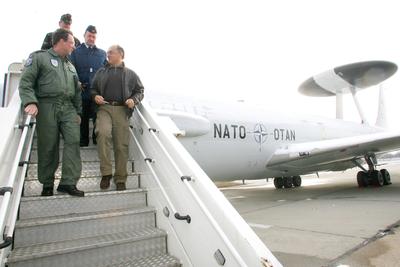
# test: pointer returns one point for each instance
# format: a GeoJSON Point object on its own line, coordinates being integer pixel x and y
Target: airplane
{"type": "Point", "coordinates": [233, 141]}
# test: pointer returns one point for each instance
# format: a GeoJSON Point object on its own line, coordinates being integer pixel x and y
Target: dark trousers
{"type": "Point", "coordinates": [88, 111]}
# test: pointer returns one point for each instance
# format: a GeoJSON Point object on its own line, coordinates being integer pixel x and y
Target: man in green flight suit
{"type": "Point", "coordinates": [49, 90]}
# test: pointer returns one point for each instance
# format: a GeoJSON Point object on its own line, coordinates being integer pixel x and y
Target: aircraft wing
{"type": "Point", "coordinates": [316, 155]}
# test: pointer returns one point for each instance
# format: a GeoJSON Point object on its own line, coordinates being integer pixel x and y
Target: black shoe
{"type": "Point", "coordinates": [105, 181]}
{"type": "Point", "coordinates": [121, 186]}
{"type": "Point", "coordinates": [47, 191]}
{"type": "Point", "coordinates": [71, 190]}
{"type": "Point", "coordinates": [83, 144]}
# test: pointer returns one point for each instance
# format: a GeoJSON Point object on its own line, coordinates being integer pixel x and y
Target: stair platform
{"type": "Point", "coordinates": [36, 207]}
{"type": "Point", "coordinates": [92, 251]}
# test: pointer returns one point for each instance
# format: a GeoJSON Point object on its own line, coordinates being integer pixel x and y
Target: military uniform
{"type": "Point", "coordinates": [87, 60]}
{"type": "Point", "coordinates": [51, 82]}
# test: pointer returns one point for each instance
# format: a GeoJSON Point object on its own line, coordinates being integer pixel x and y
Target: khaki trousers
{"type": "Point", "coordinates": [112, 127]}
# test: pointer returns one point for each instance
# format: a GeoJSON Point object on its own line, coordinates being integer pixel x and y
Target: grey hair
{"type": "Point", "coordinates": [120, 50]}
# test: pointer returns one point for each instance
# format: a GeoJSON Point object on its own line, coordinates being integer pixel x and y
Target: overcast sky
{"type": "Point", "coordinates": [260, 51]}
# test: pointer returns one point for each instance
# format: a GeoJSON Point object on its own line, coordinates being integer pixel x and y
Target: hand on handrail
{"type": "Point", "coordinates": [31, 109]}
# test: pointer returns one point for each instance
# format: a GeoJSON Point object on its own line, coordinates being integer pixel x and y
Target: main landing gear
{"type": "Point", "coordinates": [287, 182]}
{"type": "Point", "coordinates": [372, 176]}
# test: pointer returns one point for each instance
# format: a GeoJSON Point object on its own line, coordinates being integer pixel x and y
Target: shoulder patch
{"type": "Point", "coordinates": [28, 62]}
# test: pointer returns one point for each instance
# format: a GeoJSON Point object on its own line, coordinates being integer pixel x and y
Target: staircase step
{"type": "Point", "coordinates": [36, 207]}
{"type": "Point", "coordinates": [65, 227]}
{"type": "Point", "coordinates": [34, 143]}
{"type": "Point", "coordinates": [94, 251]}
{"type": "Point", "coordinates": [163, 260]}
{"type": "Point", "coordinates": [33, 187]}
{"type": "Point", "coordinates": [88, 153]}
{"type": "Point", "coordinates": [89, 169]}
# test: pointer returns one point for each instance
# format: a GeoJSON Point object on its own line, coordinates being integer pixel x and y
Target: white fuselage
{"type": "Point", "coordinates": [235, 141]}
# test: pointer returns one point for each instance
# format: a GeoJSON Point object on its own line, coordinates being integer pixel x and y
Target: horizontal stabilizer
{"type": "Point", "coordinates": [359, 75]}
{"type": "Point", "coordinates": [185, 124]}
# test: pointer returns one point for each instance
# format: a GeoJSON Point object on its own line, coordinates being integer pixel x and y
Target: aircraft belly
{"type": "Point", "coordinates": [226, 160]}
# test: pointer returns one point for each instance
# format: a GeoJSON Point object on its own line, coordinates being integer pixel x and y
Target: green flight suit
{"type": "Point", "coordinates": [51, 82]}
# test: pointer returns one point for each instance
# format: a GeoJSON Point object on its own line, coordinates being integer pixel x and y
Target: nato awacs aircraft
{"type": "Point", "coordinates": [235, 141]}
{"type": "Point", "coordinates": [169, 197]}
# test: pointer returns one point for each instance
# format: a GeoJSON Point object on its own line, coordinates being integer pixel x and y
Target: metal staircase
{"type": "Point", "coordinates": [171, 214]}
{"type": "Point", "coordinates": [105, 228]}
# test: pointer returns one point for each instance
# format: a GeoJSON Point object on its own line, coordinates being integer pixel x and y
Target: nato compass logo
{"type": "Point", "coordinates": [260, 134]}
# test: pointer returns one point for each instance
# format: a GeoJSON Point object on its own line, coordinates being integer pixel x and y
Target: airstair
{"type": "Point", "coordinates": [170, 215]}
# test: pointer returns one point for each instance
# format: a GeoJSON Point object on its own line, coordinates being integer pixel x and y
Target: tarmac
{"type": "Point", "coordinates": [328, 221]}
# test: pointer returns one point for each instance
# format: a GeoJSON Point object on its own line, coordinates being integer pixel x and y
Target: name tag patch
{"type": "Point", "coordinates": [54, 62]}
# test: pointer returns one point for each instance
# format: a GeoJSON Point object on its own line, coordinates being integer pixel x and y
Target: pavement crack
{"type": "Point", "coordinates": [380, 234]}
{"type": "Point", "coordinates": [318, 232]}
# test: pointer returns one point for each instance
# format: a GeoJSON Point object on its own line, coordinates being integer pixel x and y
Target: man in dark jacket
{"type": "Point", "coordinates": [116, 90]}
{"type": "Point", "coordinates": [87, 59]}
{"type": "Point", "coordinates": [64, 23]}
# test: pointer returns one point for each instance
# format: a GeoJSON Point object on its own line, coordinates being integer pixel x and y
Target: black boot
{"type": "Point", "coordinates": [47, 191]}
{"type": "Point", "coordinates": [71, 190]}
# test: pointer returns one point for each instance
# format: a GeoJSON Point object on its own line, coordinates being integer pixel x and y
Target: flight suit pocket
{"type": "Point", "coordinates": [46, 115]}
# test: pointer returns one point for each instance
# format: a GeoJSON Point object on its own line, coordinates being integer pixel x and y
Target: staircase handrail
{"type": "Point", "coordinates": [10, 191]}
{"type": "Point", "coordinates": [149, 120]}
{"type": "Point", "coordinates": [185, 180]}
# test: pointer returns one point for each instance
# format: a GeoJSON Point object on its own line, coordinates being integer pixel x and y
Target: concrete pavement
{"type": "Point", "coordinates": [328, 221]}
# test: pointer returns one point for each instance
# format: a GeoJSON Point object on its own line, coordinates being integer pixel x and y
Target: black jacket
{"type": "Point", "coordinates": [132, 86]}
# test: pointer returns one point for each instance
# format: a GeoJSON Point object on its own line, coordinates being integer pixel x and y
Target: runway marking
{"type": "Point", "coordinates": [257, 225]}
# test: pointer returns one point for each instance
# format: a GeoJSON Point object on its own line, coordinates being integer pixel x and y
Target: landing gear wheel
{"type": "Point", "coordinates": [386, 177]}
{"type": "Point", "coordinates": [377, 178]}
{"type": "Point", "coordinates": [278, 182]}
{"type": "Point", "coordinates": [296, 181]}
{"type": "Point", "coordinates": [362, 179]}
{"type": "Point", "coordinates": [287, 182]}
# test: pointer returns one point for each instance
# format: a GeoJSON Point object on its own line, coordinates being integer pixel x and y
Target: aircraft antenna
{"type": "Point", "coordinates": [339, 105]}
{"type": "Point", "coordinates": [353, 91]}
{"type": "Point", "coordinates": [381, 118]}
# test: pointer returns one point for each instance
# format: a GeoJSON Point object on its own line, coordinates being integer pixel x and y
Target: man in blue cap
{"type": "Point", "coordinates": [87, 59]}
